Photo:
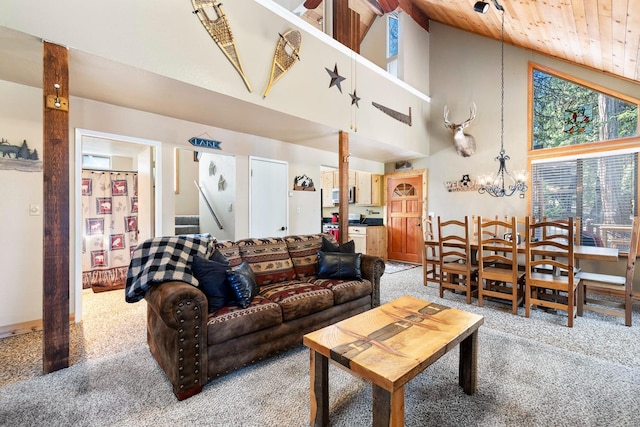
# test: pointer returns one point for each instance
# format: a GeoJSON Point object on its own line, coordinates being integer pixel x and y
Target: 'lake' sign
{"type": "Point", "coordinates": [206, 143]}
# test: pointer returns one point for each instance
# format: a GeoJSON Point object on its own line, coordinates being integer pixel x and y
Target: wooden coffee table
{"type": "Point", "coordinates": [389, 345]}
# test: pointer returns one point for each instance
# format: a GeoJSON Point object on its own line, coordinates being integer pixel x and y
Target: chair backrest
{"type": "Point", "coordinates": [633, 253]}
{"type": "Point", "coordinates": [552, 232]}
{"type": "Point", "coordinates": [554, 249]}
{"type": "Point", "coordinates": [429, 234]}
{"type": "Point", "coordinates": [488, 231]}
{"type": "Point", "coordinates": [522, 228]}
{"type": "Point", "coordinates": [454, 240]}
{"type": "Point", "coordinates": [501, 248]}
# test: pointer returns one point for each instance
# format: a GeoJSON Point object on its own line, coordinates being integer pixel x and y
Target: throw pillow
{"type": "Point", "coordinates": [212, 275]}
{"type": "Point", "coordinates": [337, 265]}
{"type": "Point", "coordinates": [243, 283]}
{"type": "Point", "coordinates": [345, 248]}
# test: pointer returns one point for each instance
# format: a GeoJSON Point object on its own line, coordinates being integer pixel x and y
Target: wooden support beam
{"type": "Point", "coordinates": [343, 172]}
{"type": "Point", "coordinates": [56, 178]}
{"type": "Point", "coordinates": [346, 25]}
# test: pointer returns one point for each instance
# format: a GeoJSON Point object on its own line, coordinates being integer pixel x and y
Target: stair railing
{"type": "Point", "coordinates": [208, 204]}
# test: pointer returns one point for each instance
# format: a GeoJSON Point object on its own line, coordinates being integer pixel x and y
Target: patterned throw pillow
{"type": "Point", "coordinates": [303, 250]}
{"type": "Point", "coordinates": [269, 259]}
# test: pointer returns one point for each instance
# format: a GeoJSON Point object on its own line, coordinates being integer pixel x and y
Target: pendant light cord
{"type": "Point", "coordinates": [502, 88]}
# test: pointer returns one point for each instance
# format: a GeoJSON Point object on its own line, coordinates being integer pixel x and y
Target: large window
{"type": "Point", "coordinates": [584, 157]}
{"type": "Point", "coordinates": [392, 43]}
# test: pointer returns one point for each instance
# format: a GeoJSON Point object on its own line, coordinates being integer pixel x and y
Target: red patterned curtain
{"type": "Point", "coordinates": [110, 220]}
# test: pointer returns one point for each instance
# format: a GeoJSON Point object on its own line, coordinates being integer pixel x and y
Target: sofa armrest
{"type": "Point", "coordinates": [372, 268]}
{"type": "Point", "coordinates": [177, 334]}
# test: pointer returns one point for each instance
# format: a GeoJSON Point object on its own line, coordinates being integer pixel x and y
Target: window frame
{"type": "Point", "coordinates": [572, 152]}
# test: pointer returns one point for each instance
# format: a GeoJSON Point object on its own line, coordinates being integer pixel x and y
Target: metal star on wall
{"type": "Point", "coordinates": [354, 98]}
{"type": "Point", "coordinates": [336, 78]}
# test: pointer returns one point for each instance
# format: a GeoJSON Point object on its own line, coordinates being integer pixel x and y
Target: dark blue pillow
{"type": "Point", "coordinates": [243, 282]}
{"type": "Point", "coordinates": [212, 275]}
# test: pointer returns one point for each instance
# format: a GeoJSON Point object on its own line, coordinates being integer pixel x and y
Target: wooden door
{"type": "Point", "coordinates": [404, 218]}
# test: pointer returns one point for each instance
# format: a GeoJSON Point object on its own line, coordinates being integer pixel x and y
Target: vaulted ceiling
{"type": "Point", "coordinates": [600, 34]}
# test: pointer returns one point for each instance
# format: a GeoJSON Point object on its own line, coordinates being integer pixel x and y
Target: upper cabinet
{"type": "Point", "coordinates": [368, 187]}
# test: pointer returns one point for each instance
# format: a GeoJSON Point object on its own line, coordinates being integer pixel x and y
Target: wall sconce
{"type": "Point", "coordinates": [56, 101]}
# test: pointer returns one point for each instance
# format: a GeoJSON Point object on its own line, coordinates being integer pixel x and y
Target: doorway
{"type": "Point", "coordinates": [406, 206]}
{"type": "Point", "coordinates": [146, 159]}
{"type": "Point", "coordinates": [268, 202]}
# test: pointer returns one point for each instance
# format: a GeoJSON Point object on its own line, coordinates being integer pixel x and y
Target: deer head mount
{"type": "Point", "coordinates": [465, 144]}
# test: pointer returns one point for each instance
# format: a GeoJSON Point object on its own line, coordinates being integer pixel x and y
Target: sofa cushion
{"type": "Point", "coordinates": [338, 265]}
{"type": "Point", "coordinates": [243, 282]}
{"type": "Point", "coordinates": [303, 250]}
{"type": "Point", "coordinates": [346, 248]}
{"type": "Point", "coordinates": [345, 290]}
{"type": "Point", "coordinates": [298, 299]}
{"type": "Point", "coordinates": [212, 277]}
{"type": "Point", "coordinates": [232, 321]}
{"type": "Point", "coordinates": [268, 258]}
{"type": "Point", "coordinates": [231, 252]}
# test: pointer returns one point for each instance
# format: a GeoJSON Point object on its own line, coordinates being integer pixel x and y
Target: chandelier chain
{"type": "Point", "coordinates": [502, 87]}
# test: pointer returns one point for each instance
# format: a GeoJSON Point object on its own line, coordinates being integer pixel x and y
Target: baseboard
{"type": "Point", "coordinates": [26, 327]}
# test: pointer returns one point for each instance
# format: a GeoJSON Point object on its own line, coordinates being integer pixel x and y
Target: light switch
{"type": "Point", "coordinates": [34, 210]}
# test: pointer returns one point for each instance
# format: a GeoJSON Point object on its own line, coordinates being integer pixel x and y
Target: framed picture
{"type": "Point", "coordinates": [87, 186]}
{"type": "Point", "coordinates": [130, 223]}
{"type": "Point", "coordinates": [134, 204]}
{"type": "Point", "coordinates": [95, 226]}
{"type": "Point", "coordinates": [99, 258]}
{"type": "Point", "coordinates": [103, 205]}
{"type": "Point", "coordinates": [116, 242]}
{"type": "Point", "coordinates": [119, 187]}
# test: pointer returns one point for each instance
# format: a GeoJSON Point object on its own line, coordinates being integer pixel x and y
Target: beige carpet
{"type": "Point", "coordinates": [533, 372]}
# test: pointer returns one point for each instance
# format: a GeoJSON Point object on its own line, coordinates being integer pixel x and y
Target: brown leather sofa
{"type": "Point", "coordinates": [193, 346]}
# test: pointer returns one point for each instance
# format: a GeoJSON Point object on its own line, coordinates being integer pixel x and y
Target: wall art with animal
{"type": "Point", "coordinates": [19, 157]}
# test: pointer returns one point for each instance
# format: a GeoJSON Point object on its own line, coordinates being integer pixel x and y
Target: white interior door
{"type": "Point", "coordinates": [268, 198]}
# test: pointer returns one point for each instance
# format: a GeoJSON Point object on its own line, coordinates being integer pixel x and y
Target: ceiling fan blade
{"type": "Point", "coordinates": [389, 5]}
{"type": "Point", "coordinates": [312, 4]}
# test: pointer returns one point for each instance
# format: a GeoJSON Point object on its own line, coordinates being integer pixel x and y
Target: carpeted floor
{"type": "Point", "coordinates": [391, 266]}
{"type": "Point", "coordinates": [533, 372]}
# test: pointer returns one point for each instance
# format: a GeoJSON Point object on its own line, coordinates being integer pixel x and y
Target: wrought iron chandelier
{"type": "Point", "coordinates": [502, 183]}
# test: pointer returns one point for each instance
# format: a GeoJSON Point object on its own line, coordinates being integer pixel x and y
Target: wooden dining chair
{"type": "Point", "coordinates": [488, 231]}
{"type": "Point", "coordinates": [430, 255]}
{"type": "Point", "coordinates": [550, 279]}
{"type": "Point", "coordinates": [498, 273]}
{"type": "Point", "coordinates": [456, 270]}
{"type": "Point", "coordinates": [611, 285]}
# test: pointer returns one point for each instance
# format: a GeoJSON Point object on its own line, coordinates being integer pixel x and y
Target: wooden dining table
{"type": "Point", "coordinates": [580, 252]}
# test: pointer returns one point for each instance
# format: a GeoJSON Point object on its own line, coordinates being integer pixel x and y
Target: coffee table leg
{"type": "Point", "coordinates": [319, 389]}
{"type": "Point", "coordinates": [388, 407]}
{"type": "Point", "coordinates": [468, 363]}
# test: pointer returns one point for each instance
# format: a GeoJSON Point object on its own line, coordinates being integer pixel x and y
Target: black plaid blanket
{"type": "Point", "coordinates": [163, 259]}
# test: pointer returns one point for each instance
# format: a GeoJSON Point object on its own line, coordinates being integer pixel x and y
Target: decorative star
{"type": "Point", "coordinates": [336, 78]}
{"type": "Point", "coordinates": [354, 98]}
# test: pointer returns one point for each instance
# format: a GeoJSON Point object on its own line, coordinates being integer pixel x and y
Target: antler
{"type": "Point", "coordinates": [447, 123]}
{"type": "Point", "coordinates": [472, 116]}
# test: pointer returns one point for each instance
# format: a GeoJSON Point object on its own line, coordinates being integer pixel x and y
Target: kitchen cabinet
{"type": "Point", "coordinates": [371, 240]}
{"type": "Point", "coordinates": [327, 185]}
{"type": "Point", "coordinates": [369, 189]}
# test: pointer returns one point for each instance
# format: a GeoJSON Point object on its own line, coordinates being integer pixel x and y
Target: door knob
{"type": "Point", "coordinates": [283, 228]}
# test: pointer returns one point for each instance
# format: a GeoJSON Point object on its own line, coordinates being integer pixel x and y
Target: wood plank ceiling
{"type": "Point", "coordinates": [600, 34]}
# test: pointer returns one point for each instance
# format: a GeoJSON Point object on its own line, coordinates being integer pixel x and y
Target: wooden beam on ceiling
{"type": "Point", "coordinates": [415, 13]}
{"type": "Point", "coordinates": [346, 25]}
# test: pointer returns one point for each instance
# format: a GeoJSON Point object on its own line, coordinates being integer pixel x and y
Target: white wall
{"type": "Point", "coordinates": [223, 201]}
{"type": "Point", "coordinates": [168, 39]}
{"type": "Point", "coordinates": [186, 200]}
{"type": "Point", "coordinates": [464, 69]}
{"type": "Point", "coordinates": [21, 234]}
